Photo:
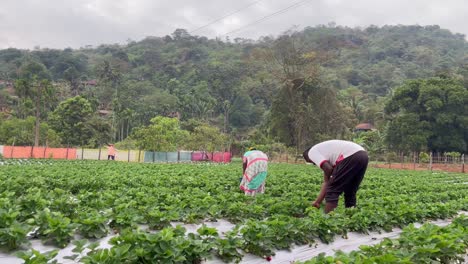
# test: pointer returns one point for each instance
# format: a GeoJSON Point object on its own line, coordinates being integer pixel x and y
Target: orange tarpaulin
{"type": "Point", "coordinates": [39, 153]}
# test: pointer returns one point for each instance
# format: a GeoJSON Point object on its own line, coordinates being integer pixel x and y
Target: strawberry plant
{"type": "Point", "coordinates": [62, 201]}
{"type": "Point", "coordinates": [427, 244]}
{"type": "Point", "coordinates": [56, 197]}
{"type": "Point", "coordinates": [157, 219]}
{"type": "Point", "coordinates": [12, 233]}
{"type": "Point", "coordinates": [167, 246]}
{"type": "Point", "coordinates": [92, 224]}
{"type": "Point", "coordinates": [258, 239]}
{"type": "Point", "coordinates": [54, 228]}
{"type": "Point", "coordinates": [13, 236]}
{"type": "Point", "coordinates": [36, 257]}
{"type": "Point", "coordinates": [31, 201]}
{"type": "Point", "coordinates": [225, 248]}
{"type": "Point", "coordinates": [124, 216]}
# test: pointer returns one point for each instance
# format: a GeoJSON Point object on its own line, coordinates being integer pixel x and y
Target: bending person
{"type": "Point", "coordinates": [344, 164]}
{"type": "Point", "coordinates": [255, 165]}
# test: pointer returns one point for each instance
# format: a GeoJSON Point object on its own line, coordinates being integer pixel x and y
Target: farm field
{"type": "Point", "coordinates": [65, 202]}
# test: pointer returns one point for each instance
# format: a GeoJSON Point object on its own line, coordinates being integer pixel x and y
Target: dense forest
{"type": "Point", "coordinates": [409, 82]}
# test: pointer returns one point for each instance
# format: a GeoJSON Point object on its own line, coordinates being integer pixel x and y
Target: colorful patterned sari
{"type": "Point", "coordinates": [253, 180]}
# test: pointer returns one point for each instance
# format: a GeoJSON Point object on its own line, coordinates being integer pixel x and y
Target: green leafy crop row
{"type": "Point", "coordinates": [427, 244]}
{"type": "Point", "coordinates": [55, 200]}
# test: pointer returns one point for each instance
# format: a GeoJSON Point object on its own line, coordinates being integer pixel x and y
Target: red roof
{"type": "Point", "coordinates": [90, 82]}
{"type": "Point", "coordinates": [364, 126]}
{"type": "Point", "coordinates": [104, 112]}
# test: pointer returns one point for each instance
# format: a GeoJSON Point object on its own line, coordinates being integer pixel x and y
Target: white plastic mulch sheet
{"type": "Point", "coordinates": [297, 253]}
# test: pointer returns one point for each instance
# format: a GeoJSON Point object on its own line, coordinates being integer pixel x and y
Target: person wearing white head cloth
{"type": "Point", "coordinates": [344, 164]}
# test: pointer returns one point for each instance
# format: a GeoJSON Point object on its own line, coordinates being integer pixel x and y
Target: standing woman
{"type": "Point", "coordinates": [111, 151]}
{"type": "Point", "coordinates": [255, 165]}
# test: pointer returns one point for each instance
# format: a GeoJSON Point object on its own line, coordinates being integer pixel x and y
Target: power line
{"type": "Point", "coordinates": [223, 17]}
{"type": "Point", "coordinates": [296, 4]}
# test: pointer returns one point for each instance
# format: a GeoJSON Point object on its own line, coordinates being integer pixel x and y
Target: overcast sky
{"type": "Point", "coordinates": [76, 23]}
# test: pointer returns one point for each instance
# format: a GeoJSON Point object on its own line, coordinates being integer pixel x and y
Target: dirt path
{"type": "Point", "coordinates": [424, 167]}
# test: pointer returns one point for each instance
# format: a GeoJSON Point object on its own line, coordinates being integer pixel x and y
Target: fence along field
{"type": "Point", "coordinates": [30, 152]}
{"type": "Point", "coordinates": [433, 162]}
{"type": "Point", "coordinates": [55, 201]}
{"type": "Point", "coordinates": [436, 162]}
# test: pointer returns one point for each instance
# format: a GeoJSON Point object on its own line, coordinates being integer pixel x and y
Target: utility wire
{"type": "Point", "coordinates": [296, 4]}
{"type": "Point", "coordinates": [223, 17]}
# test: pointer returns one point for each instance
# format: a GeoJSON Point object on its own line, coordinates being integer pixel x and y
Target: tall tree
{"type": "Point", "coordinates": [207, 138]}
{"type": "Point", "coordinates": [110, 72]}
{"type": "Point", "coordinates": [163, 134]}
{"type": "Point", "coordinates": [355, 99]}
{"type": "Point", "coordinates": [34, 85]}
{"type": "Point", "coordinates": [15, 131]}
{"type": "Point", "coordinates": [429, 113]}
{"type": "Point", "coordinates": [305, 109]}
{"type": "Point", "coordinates": [70, 118]}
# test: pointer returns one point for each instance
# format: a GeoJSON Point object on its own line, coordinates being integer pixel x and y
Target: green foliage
{"type": "Point", "coordinates": [98, 130]}
{"type": "Point", "coordinates": [207, 138]}
{"type": "Point", "coordinates": [35, 92]}
{"type": "Point", "coordinates": [305, 109]}
{"type": "Point", "coordinates": [92, 224]}
{"type": "Point", "coordinates": [77, 124]}
{"type": "Point", "coordinates": [128, 143]}
{"type": "Point", "coordinates": [124, 216]}
{"type": "Point", "coordinates": [391, 156]}
{"type": "Point", "coordinates": [35, 95]}
{"type": "Point", "coordinates": [428, 114]}
{"type": "Point", "coordinates": [453, 154]}
{"type": "Point", "coordinates": [307, 115]}
{"type": "Point", "coordinates": [240, 84]}
{"type": "Point", "coordinates": [94, 196]}
{"type": "Point", "coordinates": [31, 70]}
{"type": "Point", "coordinates": [355, 100]}
{"type": "Point", "coordinates": [163, 134]}
{"type": "Point", "coordinates": [227, 248]}
{"type": "Point", "coordinates": [35, 257]}
{"type": "Point", "coordinates": [109, 73]}
{"type": "Point", "coordinates": [424, 157]}
{"type": "Point", "coordinates": [407, 132]}
{"type": "Point", "coordinates": [167, 246]}
{"type": "Point", "coordinates": [20, 132]}
{"type": "Point", "coordinates": [12, 232]}
{"type": "Point", "coordinates": [53, 227]}
{"type": "Point", "coordinates": [159, 219]}
{"type": "Point", "coordinates": [427, 244]}
{"type": "Point", "coordinates": [242, 112]}
{"type": "Point", "coordinates": [372, 141]}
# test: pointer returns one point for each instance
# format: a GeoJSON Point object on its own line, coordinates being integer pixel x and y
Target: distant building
{"type": "Point", "coordinates": [6, 83]}
{"type": "Point", "coordinates": [104, 113]}
{"type": "Point", "coordinates": [174, 114]}
{"type": "Point", "coordinates": [90, 83]}
{"type": "Point", "coordinates": [7, 86]}
{"type": "Point", "coordinates": [364, 127]}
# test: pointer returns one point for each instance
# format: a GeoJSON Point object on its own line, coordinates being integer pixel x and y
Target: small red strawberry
{"type": "Point", "coordinates": [268, 258]}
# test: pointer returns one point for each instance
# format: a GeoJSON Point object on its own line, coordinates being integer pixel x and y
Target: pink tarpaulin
{"type": "Point", "coordinates": [221, 157]}
{"type": "Point", "coordinates": [199, 156]}
{"type": "Point", "coordinates": [211, 156]}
